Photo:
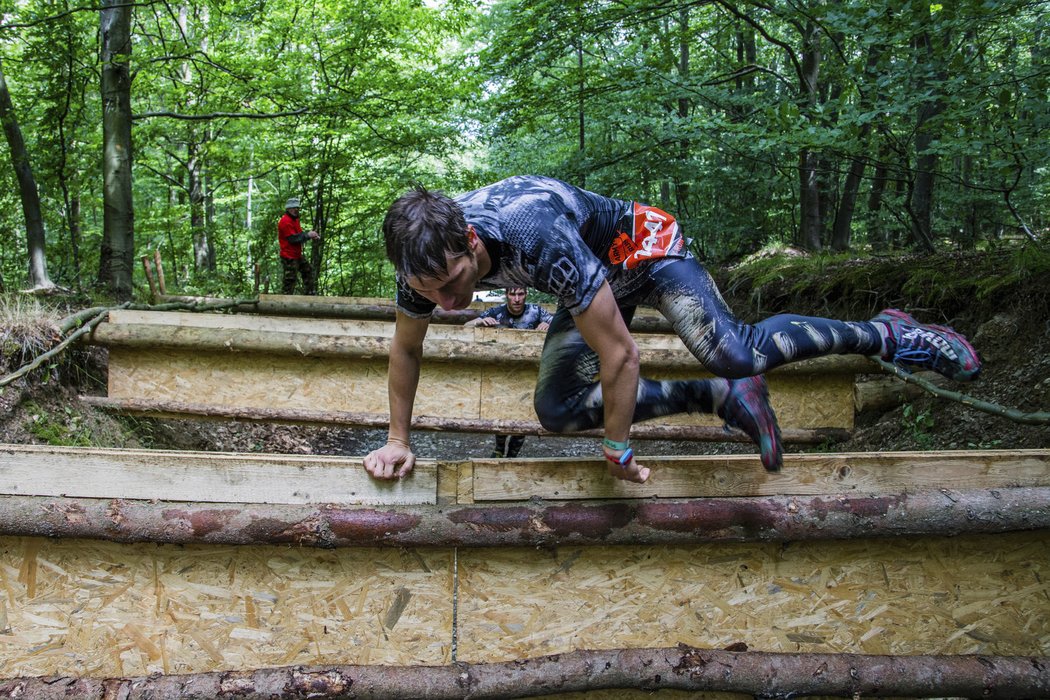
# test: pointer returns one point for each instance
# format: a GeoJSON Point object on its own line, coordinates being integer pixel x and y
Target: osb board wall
{"type": "Point", "coordinates": [103, 609]}
{"type": "Point", "coordinates": [465, 389]}
{"type": "Point", "coordinates": [966, 595]}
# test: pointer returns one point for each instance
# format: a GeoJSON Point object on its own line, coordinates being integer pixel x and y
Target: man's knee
{"type": "Point", "coordinates": [732, 361]}
{"type": "Point", "coordinates": [551, 410]}
{"type": "Point", "coordinates": [728, 354]}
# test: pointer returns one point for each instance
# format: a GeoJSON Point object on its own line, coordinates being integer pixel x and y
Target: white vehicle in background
{"type": "Point", "coordinates": [490, 296]}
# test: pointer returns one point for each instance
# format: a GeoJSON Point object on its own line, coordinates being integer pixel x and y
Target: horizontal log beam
{"type": "Point", "coordinates": [641, 431]}
{"type": "Point", "coordinates": [375, 310]}
{"type": "Point", "coordinates": [670, 521]}
{"type": "Point", "coordinates": [761, 674]}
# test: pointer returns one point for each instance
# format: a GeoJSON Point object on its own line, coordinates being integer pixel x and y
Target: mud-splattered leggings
{"type": "Point", "coordinates": [569, 396]}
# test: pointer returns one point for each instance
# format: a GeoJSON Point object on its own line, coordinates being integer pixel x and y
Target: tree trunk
{"type": "Point", "coordinates": [681, 185]}
{"type": "Point", "coordinates": [196, 187]}
{"type": "Point", "coordinates": [35, 239]}
{"type": "Point", "coordinates": [209, 211]}
{"type": "Point", "coordinates": [876, 233]}
{"type": "Point", "coordinates": [808, 161]}
{"type": "Point", "coordinates": [809, 191]}
{"type": "Point", "coordinates": [841, 230]}
{"type": "Point", "coordinates": [759, 674]}
{"type": "Point", "coordinates": [920, 205]}
{"type": "Point", "coordinates": [118, 248]}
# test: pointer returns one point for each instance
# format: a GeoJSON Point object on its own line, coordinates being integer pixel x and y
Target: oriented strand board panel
{"type": "Point", "coordinates": [267, 381]}
{"type": "Point", "coordinates": [965, 595]}
{"type": "Point", "coordinates": [800, 401]}
{"type": "Point", "coordinates": [36, 470]}
{"type": "Point", "coordinates": [740, 475]}
{"type": "Point", "coordinates": [448, 389]}
{"type": "Point", "coordinates": [77, 607]}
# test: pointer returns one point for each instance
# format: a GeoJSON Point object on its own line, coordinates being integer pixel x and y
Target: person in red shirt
{"type": "Point", "coordinates": [290, 235]}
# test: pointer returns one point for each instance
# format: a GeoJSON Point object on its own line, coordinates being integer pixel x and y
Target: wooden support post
{"type": "Point", "coordinates": [160, 271]}
{"type": "Point", "coordinates": [147, 268]}
{"type": "Point", "coordinates": [257, 276]}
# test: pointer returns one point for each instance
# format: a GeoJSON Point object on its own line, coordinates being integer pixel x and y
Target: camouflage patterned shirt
{"type": "Point", "coordinates": [549, 235]}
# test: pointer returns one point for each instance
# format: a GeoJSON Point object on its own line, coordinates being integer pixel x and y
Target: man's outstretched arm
{"type": "Point", "coordinates": [602, 327]}
{"type": "Point", "coordinates": [395, 459]}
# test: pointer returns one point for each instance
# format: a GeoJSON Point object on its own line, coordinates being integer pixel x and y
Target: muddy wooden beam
{"type": "Point", "coordinates": [760, 674]}
{"type": "Point", "coordinates": [679, 521]}
{"type": "Point", "coordinates": [642, 431]}
{"type": "Point", "coordinates": [374, 309]}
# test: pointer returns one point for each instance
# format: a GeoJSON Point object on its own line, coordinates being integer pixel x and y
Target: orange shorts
{"type": "Point", "coordinates": [652, 233]}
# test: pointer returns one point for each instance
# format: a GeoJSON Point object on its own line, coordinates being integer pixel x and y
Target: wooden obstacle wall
{"type": "Point", "coordinates": [88, 607]}
{"type": "Point", "coordinates": [169, 361]}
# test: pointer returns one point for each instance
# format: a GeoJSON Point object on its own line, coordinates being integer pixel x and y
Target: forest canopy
{"type": "Point", "coordinates": [848, 127]}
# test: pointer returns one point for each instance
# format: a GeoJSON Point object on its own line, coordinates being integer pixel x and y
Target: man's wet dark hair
{"type": "Point", "coordinates": [420, 228]}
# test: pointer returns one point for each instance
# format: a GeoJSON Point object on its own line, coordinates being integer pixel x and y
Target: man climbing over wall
{"type": "Point", "coordinates": [290, 237]}
{"type": "Point", "coordinates": [513, 314]}
{"type": "Point", "coordinates": [602, 258]}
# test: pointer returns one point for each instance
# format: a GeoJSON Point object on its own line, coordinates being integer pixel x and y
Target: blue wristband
{"type": "Point", "coordinates": [624, 459]}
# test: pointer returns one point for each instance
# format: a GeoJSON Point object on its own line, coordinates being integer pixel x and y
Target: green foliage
{"type": "Point", "coordinates": [918, 422]}
{"type": "Point", "coordinates": [700, 108]}
{"type": "Point", "coordinates": [64, 428]}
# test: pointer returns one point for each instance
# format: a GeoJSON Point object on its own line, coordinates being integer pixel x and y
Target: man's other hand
{"type": "Point", "coordinates": [391, 461]}
{"type": "Point", "coordinates": [482, 321]}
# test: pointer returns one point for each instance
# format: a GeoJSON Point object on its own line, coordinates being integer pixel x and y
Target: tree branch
{"type": "Point", "coordinates": [95, 315]}
{"type": "Point", "coordinates": [72, 11]}
{"type": "Point", "coordinates": [1037, 418]}
{"type": "Point", "coordinates": [220, 115]}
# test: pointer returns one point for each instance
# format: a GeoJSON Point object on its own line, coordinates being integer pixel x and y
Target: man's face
{"type": "Point", "coordinates": [455, 288]}
{"type": "Point", "coordinates": [515, 301]}
{"type": "Point", "coordinates": [293, 212]}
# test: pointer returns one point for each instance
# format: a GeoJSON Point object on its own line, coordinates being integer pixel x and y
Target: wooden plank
{"type": "Point", "coordinates": [98, 608]}
{"type": "Point", "coordinates": [967, 595]}
{"type": "Point", "coordinates": [308, 336]}
{"type": "Point", "coordinates": [205, 476]}
{"type": "Point", "coordinates": [740, 475]}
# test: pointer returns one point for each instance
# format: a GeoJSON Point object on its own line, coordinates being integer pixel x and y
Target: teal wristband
{"type": "Point", "coordinates": [614, 445]}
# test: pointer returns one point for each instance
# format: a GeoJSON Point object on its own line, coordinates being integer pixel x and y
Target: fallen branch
{"type": "Point", "coordinates": [85, 321]}
{"type": "Point", "coordinates": [536, 523]}
{"type": "Point", "coordinates": [761, 674]}
{"type": "Point", "coordinates": [40, 359]}
{"type": "Point", "coordinates": [1037, 418]}
{"type": "Point", "coordinates": [302, 416]}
